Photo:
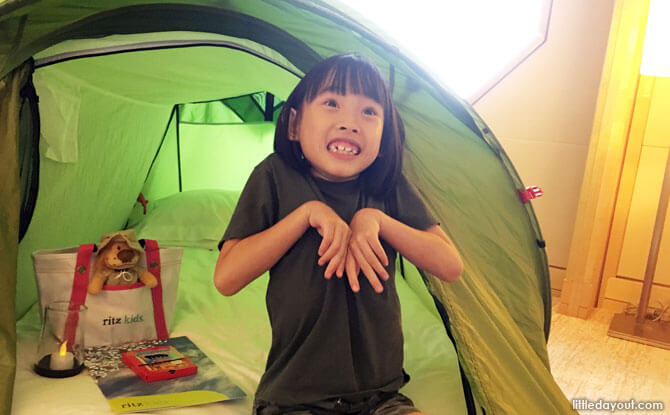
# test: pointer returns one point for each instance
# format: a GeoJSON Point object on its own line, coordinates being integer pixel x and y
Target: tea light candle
{"type": "Point", "coordinates": [62, 360]}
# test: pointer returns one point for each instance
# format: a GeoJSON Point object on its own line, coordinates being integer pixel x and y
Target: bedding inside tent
{"type": "Point", "coordinates": [235, 333]}
{"type": "Point", "coordinates": [177, 101]}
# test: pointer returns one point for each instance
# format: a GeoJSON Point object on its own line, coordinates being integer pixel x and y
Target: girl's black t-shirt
{"type": "Point", "coordinates": [327, 341]}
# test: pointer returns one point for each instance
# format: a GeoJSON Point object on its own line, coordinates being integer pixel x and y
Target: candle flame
{"type": "Point", "coordinates": [63, 348]}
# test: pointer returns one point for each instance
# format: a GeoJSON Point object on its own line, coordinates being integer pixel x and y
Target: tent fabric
{"type": "Point", "coordinates": [133, 95]}
{"type": "Point", "coordinates": [208, 112]}
{"type": "Point", "coordinates": [227, 142]}
{"type": "Point", "coordinates": [10, 104]}
{"type": "Point", "coordinates": [70, 19]}
{"type": "Point", "coordinates": [498, 311]}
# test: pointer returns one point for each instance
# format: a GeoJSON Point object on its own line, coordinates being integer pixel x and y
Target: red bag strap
{"type": "Point", "coordinates": [154, 267]}
{"type": "Point", "coordinates": [79, 289]}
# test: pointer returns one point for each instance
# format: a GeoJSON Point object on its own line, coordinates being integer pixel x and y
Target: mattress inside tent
{"type": "Point", "coordinates": [233, 331]}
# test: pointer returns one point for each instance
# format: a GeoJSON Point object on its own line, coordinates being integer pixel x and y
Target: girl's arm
{"type": "Point", "coordinates": [430, 250]}
{"type": "Point", "coordinates": [243, 260]}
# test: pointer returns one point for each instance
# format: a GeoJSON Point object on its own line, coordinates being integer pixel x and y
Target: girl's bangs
{"type": "Point", "coordinates": [351, 77]}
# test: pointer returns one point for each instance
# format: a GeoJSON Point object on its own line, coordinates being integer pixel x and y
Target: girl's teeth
{"type": "Point", "coordinates": [343, 149]}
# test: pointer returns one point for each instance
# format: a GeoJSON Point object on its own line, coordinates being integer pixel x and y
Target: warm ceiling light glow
{"type": "Point", "coordinates": [656, 54]}
{"type": "Point", "coordinates": [468, 45]}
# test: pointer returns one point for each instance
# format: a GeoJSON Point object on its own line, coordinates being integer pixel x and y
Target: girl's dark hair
{"type": "Point", "coordinates": [347, 74]}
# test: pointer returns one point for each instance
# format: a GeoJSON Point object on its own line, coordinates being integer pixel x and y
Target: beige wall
{"type": "Point", "coordinates": [542, 113]}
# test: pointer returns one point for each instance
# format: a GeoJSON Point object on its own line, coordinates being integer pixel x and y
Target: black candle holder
{"type": "Point", "coordinates": [60, 352]}
{"type": "Point", "coordinates": [43, 368]}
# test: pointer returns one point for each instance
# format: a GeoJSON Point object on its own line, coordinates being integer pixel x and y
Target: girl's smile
{"type": "Point", "coordinates": [344, 146]}
{"type": "Point", "coordinates": [339, 134]}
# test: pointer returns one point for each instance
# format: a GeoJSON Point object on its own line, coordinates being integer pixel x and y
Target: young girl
{"type": "Point", "coordinates": [332, 201]}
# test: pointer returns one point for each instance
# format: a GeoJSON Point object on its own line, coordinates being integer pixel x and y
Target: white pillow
{"type": "Point", "coordinates": [195, 218]}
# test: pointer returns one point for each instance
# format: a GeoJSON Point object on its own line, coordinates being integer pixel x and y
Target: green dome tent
{"type": "Point", "coordinates": [132, 97]}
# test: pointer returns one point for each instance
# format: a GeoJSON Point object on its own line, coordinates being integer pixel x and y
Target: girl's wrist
{"type": "Point", "coordinates": [305, 211]}
{"type": "Point", "coordinates": [375, 215]}
{"type": "Point", "coordinates": [306, 214]}
{"type": "Point", "coordinates": [382, 220]}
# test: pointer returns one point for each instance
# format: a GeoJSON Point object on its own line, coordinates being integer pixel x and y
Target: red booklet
{"type": "Point", "coordinates": [159, 363]}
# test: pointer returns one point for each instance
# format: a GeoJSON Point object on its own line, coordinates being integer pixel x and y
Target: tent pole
{"type": "Point", "coordinates": [178, 147]}
{"type": "Point", "coordinates": [160, 146]}
{"type": "Point", "coordinates": [269, 106]}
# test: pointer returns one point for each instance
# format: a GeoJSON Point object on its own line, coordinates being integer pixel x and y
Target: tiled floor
{"type": "Point", "coordinates": [588, 364]}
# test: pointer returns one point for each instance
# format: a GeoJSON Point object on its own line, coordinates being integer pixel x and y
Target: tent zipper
{"type": "Point", "coordinates": [146, 46]}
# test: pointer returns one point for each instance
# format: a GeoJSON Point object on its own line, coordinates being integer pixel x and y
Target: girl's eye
{"type": "Point", "coordinates": [369, 111]}
{"type": "Point", "coordinates": [331, 103]}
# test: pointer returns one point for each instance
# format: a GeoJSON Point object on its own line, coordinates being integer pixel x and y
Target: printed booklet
{"type": "Point", "coordinates": [127, 392]}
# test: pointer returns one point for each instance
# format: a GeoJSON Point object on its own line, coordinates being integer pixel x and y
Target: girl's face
{"type": "Point", "coordinates": [339, 134]}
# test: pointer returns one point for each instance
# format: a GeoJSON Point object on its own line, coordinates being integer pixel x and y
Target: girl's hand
{"type": "Point", "coordinates": [365, 250]}
{"type": "Point", "coordinates": [335, 233]}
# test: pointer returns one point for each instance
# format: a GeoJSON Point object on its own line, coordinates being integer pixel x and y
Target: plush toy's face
{"type": "Point", "coordinates": [118, 255]}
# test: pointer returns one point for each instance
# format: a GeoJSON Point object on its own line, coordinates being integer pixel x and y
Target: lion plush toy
{"type": "Point", "coordinates": [117, 262]}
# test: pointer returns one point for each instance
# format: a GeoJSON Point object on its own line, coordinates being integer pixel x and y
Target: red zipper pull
{"type": "Point", "coordinates": [531, 192]}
